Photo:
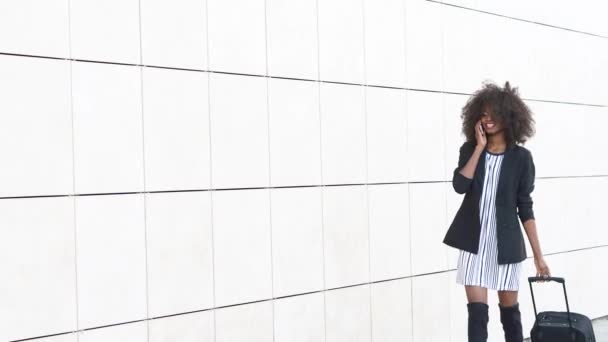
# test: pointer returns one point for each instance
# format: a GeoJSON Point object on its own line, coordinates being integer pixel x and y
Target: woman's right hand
{"type": "Point", "coordinates": [480, 135]}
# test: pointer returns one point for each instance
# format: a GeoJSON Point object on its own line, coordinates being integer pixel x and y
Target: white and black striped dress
{"type": "Point", "coordinates": [482, 269]}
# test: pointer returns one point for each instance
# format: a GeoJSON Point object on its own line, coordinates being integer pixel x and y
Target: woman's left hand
{"type": "Point", "coordinates": [542, 269]}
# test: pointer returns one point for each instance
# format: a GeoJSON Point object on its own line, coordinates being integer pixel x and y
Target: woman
{"type": "Point", "coordinates": [496, 175]}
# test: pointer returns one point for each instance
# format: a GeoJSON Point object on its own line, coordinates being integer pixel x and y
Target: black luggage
{"type": "Point", "coordinates": [552, 326]}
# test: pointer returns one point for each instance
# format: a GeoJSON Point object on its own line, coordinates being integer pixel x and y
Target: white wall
{"type": "Point", "coordinates": [253, 170]}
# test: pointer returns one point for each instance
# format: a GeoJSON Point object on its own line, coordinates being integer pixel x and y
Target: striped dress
{"type": "Point", "coordinates": [482, 269]}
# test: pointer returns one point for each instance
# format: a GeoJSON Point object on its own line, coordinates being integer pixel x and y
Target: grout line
{"type": "Point", "coordinates": [210, 197]}
{"type": "Point", "coordinates": [212, 227]}
{"type": "Point", "coordinates": [290, 296]}
{"type": "Point", "coordinates": [143, 151]}
{"type": "Point", "coordinates": [299, 79]}
{"type": "Point", "coordinates": [519, 19]}
{"type": "Point", "coordinates": [409, 220]}
{"type": "Point", "coordinates": [269, 192]}
{"type": "Point", "coordinates": [572, 250]}
{"type": "Point", "coordinates": [47, 336]}
{"type": "Point", "coordinates": [322, 187]}
{"type": "Point", "coordinates": [567, 103]}
{"type": "Point", "coordinates": [407, 174]}
{"type": "Point", "coordinates": [365, 115]}
{"type": "Point", "coordinates": [446, 197]}
{"type": "Point", "coordinates": [75, 225]}
{"type": "Point", "coordinates": [14, 54]}
{"type": "Point", "coordinates": [103, 62]}
{"type": "Point", "coordinates": [443, 119]}
{"type": "Point", "coordinates": [143, 166]}
{"type": "Point", "coordinates": [445, 143]}
{"type": "Point", "coordinates": [271, 187]}
{"type": "Point", "coordinates": [74, 217]}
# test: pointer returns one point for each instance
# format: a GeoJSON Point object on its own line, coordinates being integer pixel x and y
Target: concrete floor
{"type": "Point", "coordinates": [600, 327]}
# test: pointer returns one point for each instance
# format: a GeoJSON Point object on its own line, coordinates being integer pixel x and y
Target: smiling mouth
{"type": "Point", "coordinates": [490, 125]}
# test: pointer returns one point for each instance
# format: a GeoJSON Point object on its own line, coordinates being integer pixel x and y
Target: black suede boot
{"type": "Point", "coordinates": [510, 317]}
{"type": "Point", "coordinates": [478, 322]}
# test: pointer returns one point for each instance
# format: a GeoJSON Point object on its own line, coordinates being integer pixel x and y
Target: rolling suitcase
{"type": "Point", "coordinates": [552, 326]}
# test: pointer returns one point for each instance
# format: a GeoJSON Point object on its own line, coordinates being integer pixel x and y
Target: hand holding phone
{"type": "Point", "coordinates": [480, 134]}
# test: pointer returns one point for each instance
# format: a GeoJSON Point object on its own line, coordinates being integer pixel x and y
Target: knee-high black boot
{"type": "Point", "coordinates": [510, 317]}
{"type": "Point", "coordinates": [478, 322]}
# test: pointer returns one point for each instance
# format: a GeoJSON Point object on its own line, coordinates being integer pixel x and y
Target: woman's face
{"type": "Point", "coordinates": [490, 125]}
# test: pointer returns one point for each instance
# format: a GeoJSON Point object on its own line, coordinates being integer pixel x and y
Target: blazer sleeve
{"type": "Point", "coordinates": [461, 183]}
{"type": "Point", "coordinates": [525, 188]}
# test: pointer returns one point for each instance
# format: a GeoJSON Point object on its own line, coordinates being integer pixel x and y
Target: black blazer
{"type": "Point", "coordinates": [513, 200]}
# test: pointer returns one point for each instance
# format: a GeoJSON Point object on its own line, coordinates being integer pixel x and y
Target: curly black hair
{"type": "Point", "coordinates": [507, 108]}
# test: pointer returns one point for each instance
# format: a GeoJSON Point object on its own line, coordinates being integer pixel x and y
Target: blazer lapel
{"type": "Point", "coordinates": [506, 164]}
{"type": "Point", "coordinates": [506, 160]}
{"type": "Point", "coordinates": [481, 170]}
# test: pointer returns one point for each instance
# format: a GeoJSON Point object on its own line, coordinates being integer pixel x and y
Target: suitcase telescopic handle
{"type": "Point", "coordinates": [556, 279]}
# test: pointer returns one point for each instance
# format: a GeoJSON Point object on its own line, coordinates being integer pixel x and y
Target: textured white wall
{"type": "Point", "coordinates": [273, 170]}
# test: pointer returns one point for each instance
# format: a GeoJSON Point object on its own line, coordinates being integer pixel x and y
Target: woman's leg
{"type": "Point", "coordinates": [477, 294]}
{"type": "Point", "coordinates": [510, 317]}
{"type": "Point", "coordinates": [507, 298]}
{"type": "Point", "coordinates": [478, 313]}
